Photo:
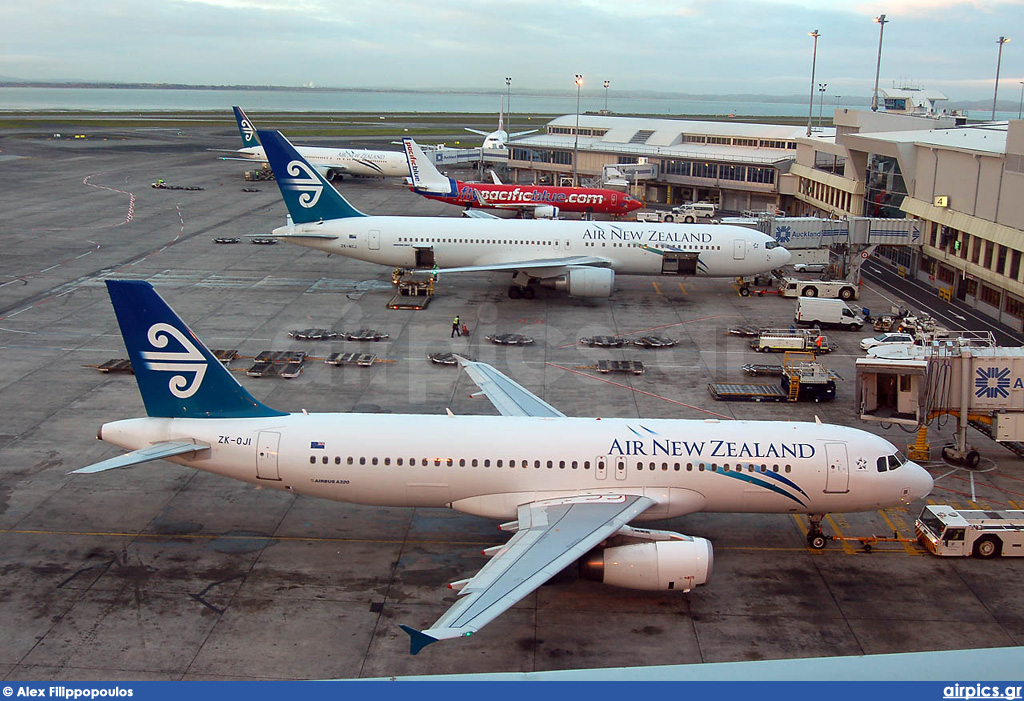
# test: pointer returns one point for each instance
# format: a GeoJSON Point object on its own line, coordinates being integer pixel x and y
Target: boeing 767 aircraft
{"type": "Point", "coordinates": [580, 257]}
{"type": "Point", "coordinates": [567, 488]}
{"type": "Point", "coordinates": [332, 163]}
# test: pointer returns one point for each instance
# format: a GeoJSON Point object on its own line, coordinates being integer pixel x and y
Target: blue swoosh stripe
{"type": "Point", "coordinates": [370, 164]}
{"type": "Point", "coordinates": [634, 431]}
{"type": "Point", "coordinates": [785, 480]}
{"type": "Point", "coordinates": [653, 433]}
{"type": "Point", "coordinates": [761, 483]}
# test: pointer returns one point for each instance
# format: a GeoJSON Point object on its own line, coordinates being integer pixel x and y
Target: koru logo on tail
{"type": "Point", "coordinates": [309, 186]}
{"type": "Point", "coordinates": [189, 360]}
{"type": "Point", "coordinates": [248, 130]}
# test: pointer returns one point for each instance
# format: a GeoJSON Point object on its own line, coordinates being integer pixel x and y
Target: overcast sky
{"type": "Point", "coordinates": [692, 46]}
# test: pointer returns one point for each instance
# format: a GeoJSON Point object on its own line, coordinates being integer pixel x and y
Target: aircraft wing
{"type": "Point", "coordinates": [156, 451]}
{"type": "Point", "coordinates": [553, 263]}
{"type": "Point", "coordinates": [508, 397]}
{"type": "Point", "coordinates": [551, 535]}
{"type": "Point", "coordinates": [521, 133]}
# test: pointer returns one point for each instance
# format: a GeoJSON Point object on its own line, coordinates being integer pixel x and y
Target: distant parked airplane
{"type": "Point", "coordinates": [541, 201]}
{"type": "Point", "coordinates": [332, 163]}
{"type": "Point", "coordinates": [580, 257]}
{"type": "Point", "coordinates": [499, 139]}
{"type": "Point", "coordinates": [566, 487]}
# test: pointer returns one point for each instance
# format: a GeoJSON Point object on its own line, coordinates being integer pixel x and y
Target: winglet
{"type": "Point", "coordinates": [417, 639]}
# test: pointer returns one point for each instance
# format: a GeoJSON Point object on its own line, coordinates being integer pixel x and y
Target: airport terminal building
{"type": "Point", "coordinates": [736, 165]}
{"type": "Point", "coordinates": [965, 182]}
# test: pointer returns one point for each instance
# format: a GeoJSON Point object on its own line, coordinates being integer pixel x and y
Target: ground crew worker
{"type": "Point", "coordinates": [456, 327]}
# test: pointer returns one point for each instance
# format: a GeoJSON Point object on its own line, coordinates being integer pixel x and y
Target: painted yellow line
{"type": "Point", "coordinates": [656, 288]}
{"type": "Point", "coordinates": [682, 288]}
{"type": "Point", "coordinates": [847, 546]}
{"type": "Point", "coordinates": [908, 547]}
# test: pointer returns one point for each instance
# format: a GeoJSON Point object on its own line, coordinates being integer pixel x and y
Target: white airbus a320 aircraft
{"type": "Point", "coordinates": [580, 257]}
{"type": "Point", "coordinates": [567, 488]}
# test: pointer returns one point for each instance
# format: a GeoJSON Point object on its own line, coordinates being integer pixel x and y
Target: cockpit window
{"type": "Point", "coordinates": [891, 462]}
{"type": "Point", "coordinates": [771, 244]}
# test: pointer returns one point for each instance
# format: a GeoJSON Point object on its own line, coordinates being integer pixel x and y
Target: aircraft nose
{"type": "Point", "coordinates": [781, 257]}
{"type": "Point", "coordinates": [919, 484]}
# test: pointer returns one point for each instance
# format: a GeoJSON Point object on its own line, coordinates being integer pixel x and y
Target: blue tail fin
{"type": "Point", "coordinates": [178, 376]}
{"type": "Point", "coordinates": [246, 129]}
{"type": "Point", "coordinates": [308, 195]}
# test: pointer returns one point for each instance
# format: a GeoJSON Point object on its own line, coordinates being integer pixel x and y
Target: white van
{"type": "Point", "coordinates": [696, 209]}
{"type": "Point", "coordinates": [816, 311]}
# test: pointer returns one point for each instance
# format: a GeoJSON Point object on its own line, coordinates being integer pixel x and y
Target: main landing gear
{"type": "Point", "coordinates": [521, 292]}
{"type": "Point", "coordinates": [816, 539]}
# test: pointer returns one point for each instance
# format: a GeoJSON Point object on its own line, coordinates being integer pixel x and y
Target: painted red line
{"type": "Point", "coordinates": [640, 391]}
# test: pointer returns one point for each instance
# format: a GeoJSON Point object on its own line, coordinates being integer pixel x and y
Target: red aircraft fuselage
{"type": "Point", "coordinates": [527, 197]}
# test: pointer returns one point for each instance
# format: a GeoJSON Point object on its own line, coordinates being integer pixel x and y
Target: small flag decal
{"type": "Point", "coordinates": [316, 445]}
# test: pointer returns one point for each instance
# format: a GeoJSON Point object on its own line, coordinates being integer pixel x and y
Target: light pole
{"type": "Point", "coordinates": [878, 65]}
{"type": "Point", "coordinates": [995, 94]}
{"type": "Point", "coordinates": [814, 63]}
{"type": "Point", "coordinates": [576, 145]}
{"type": "Point", "coordinates": [508, 106]}
{"type": "Point", "coordinates": [607, 83]}
{"type": "Point", "coordinates": [1020, 107]}
{"type": "Point", "coordinates": [821, 102]}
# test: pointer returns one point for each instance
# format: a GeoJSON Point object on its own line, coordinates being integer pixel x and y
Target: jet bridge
{"type": "Point", "coordinates": [963, 375]}
{"type": "Point", "coordinates": [852, 239]}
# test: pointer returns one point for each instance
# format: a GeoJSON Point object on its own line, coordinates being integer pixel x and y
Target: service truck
{"type": "Point", "coordinates": [815, 311]}
{"type": "Point", "coordinates": [944, 530]}
{"type": "Point", "coordinates": [791, 287]}
{"type": "Point", "coordinates": [793, 339]}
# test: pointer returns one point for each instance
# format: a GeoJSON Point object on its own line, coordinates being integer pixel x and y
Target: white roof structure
{"type": "Point", "coordinates": [673, 138]}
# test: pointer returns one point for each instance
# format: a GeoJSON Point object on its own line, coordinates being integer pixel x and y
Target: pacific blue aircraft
{"type": "Point", "coordinates": [580, 257]}
{"type": "Point", "coordinates": [332, 163]}
{"type": "Point", "coordinates": [540, 201]}
{"type": "Point", "coordinates": [566, 488]}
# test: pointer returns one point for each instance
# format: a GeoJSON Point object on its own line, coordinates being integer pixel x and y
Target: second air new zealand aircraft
{"type": "Point", "coordinates": [580, 257]}
{"type": "Point", "coordinates": [567, 488]}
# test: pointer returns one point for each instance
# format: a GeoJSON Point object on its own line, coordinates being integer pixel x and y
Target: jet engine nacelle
{"type": "Point", "coordinates": [664, 565]}
{"type": "Point", "coordinates": [584, 282]}
{"type": "Point", "coordinates": [545, 212]}
{"type": "Point", "coordinates": [328, 173]}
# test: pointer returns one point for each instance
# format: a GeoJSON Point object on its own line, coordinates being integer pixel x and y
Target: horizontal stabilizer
{"type": "Point", "coordinates": [477, 214]}
{"type": "Point", "coordinates": [417, 639]}
{"type": "Point", "coordinates": [157, 451]}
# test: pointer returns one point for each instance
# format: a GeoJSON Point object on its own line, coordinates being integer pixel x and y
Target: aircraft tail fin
{"type": "Point", "coordinates": [178, 376]}
{"type": "Point", "coordinates": [425, 176]}
{"type": "Point", "coordinates": [246, 129]}
{"type": "Point", "coordinates": [307, 194]}
{"type": "Point", "coordinates": [495, 178]}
